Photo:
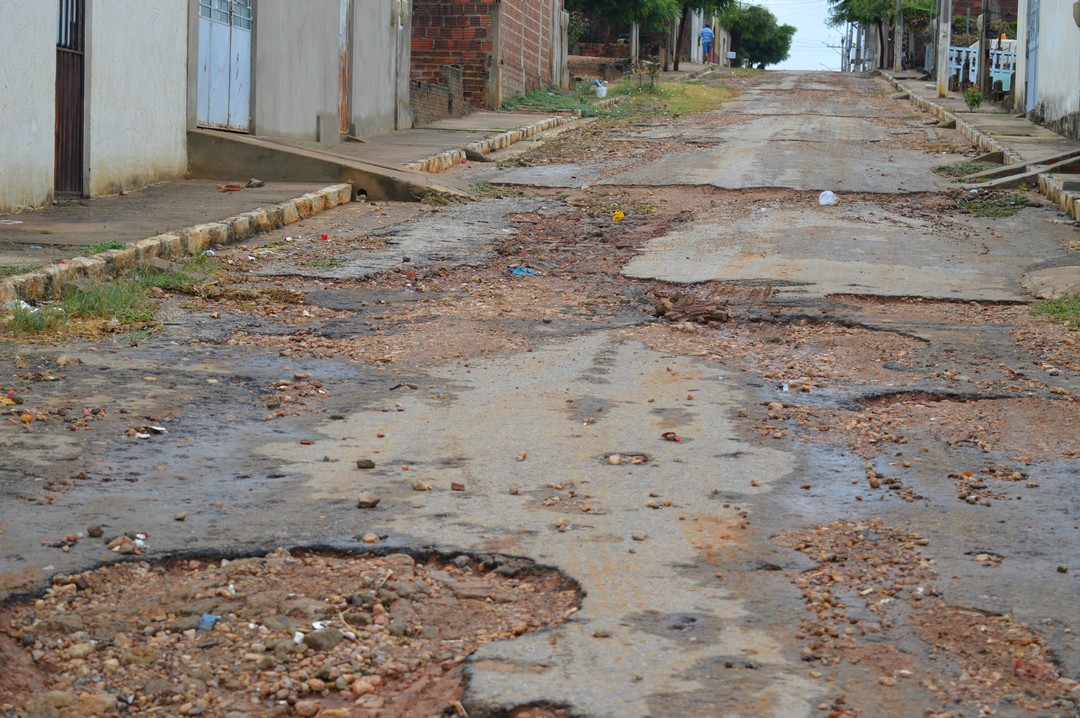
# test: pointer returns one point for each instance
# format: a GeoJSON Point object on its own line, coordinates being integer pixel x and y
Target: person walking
{"type": "Point", "coordinates": [706, 43]}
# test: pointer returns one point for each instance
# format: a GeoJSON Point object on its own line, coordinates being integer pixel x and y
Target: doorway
{"type": "Point", "coordinates": [224, 84]}
{"type": "Point", "coordinates": [1031, 81]}
{"type": "Point", "coordinates": [70, 87]}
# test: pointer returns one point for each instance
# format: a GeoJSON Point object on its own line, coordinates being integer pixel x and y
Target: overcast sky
{"type": "Point", "coordinates": [809, 49]}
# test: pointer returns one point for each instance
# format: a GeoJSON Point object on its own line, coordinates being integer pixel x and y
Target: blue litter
{"type": "Point", "coordinates": [524, 272]}
{"type": "Point", "coordinates": [206, 623]}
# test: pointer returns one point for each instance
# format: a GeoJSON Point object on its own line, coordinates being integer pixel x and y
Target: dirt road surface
{"type": "Point", "coordinates": [763, 457]}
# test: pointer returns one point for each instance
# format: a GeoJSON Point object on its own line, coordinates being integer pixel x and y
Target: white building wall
{"type": "Point", "coordinates": [1057, 102]}
{"type": "Point", "coordinates": [1020, 68]}
{"type": "Point", "coordinates": [381, 55]}
{"type": "Point", "coordinates": [136, 92]}
{"type": "Point", "coordinates": [697, 21]}
{"type": "Point", "coordinates": [27, 108]}
{"type": "Point", "coordinates": [296, 66]}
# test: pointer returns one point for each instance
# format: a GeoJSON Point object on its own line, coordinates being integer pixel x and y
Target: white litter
{"type": "Point", "coordinates": [828, 198]}
{"type": "Point", "coordinates": [20, 305]}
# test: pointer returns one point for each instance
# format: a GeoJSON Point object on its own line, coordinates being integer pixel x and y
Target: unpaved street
{"type": "Point", "coordinates": [734, 454]}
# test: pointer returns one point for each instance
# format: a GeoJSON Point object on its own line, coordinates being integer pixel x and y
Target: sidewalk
{"type": "Point", "coordinates": [993, 129]}
{"type": "Point", "coordinates": [1020, 141]}
{"type": "Point", "coordinates": [40, 250]}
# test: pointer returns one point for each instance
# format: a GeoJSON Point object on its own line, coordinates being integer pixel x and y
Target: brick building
{"type": "Point", "coordinates": [498, 48]}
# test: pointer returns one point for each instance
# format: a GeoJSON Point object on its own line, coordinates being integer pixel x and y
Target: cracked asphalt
{"type": "Point", "coordinates": [853, 412]}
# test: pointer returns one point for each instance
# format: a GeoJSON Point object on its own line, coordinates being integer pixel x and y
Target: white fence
{"type": "Point", "coordinates": [1002, 65]}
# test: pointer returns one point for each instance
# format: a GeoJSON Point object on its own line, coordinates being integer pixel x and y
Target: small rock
{"type": "Point", "coordinates": [325, 639]}
{"type": "Point", "coordinates": [28, 639]}
{"type": "Point", "coordinates": [307, 708]}
{"type": "Point", "coordinates": [887, 681]}
{"type": "Point", "coordinates": [180, 516]}
{"type": "Point", "coordinates": [614, 459]}
{"type": "Point", "coordinates": [1063, 569]}
{"type": "Point", "coordinates": [515, 489]}
{"type": "Point", "coordinates": [419, 485]}
{"type": "Point", "coordinates": [96, 531]}
{"type": "Point", "coordinates": [367, 501]}
{"type": "Point", "coordinates": [365, 464]}
{"type": "Point", "coordinates": [455, 486]}
{"type": "Point", "coordinates": [361, 687]}
{"type": "Point", "coordinates": [370, 538]}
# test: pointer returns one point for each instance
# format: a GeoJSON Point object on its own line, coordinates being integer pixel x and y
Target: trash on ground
{"type": "Point", "coordinates": [828, 198]}
{"type": "Point", "coordinates": [617, 216]}
{"type": "Point", "coordinates": [670, 436]}
{"type": "Point", "coordinates": [520, 271]}
{"type": "Point", "coordinates": [20, 305]}
{"type": "Point", "coordinates": [254, 183]}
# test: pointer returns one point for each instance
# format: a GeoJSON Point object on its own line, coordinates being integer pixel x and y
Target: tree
{"type": "Point", "coordinates": [652, 14]}
{"type": "Point", "coordinates": [756, 36]}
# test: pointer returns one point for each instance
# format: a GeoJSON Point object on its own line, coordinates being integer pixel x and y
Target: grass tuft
{"type": "Point", "coordinates": [100, 247]}
{"type": "Point", "coordinates": [991, 204]}
{"type": "Point", "coordinates": [21, 269]}
{"type": "Point", "coordinates": [960, 169]}
{"type": "Point", "coordinates": [25, 321]}
{"type": "Point", "coordinates": [123, 299]}
{"type": "Point", "coordinates": [1064, 310]}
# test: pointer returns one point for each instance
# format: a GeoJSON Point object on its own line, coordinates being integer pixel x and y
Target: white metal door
{"type": "Point", "coordinates": [224, 90]}
{"type": "Point", "coordinates": [1031, 81]}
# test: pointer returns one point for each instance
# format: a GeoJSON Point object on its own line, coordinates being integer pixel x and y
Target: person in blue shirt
{"type": "Point", "coordinates": [706, 42]}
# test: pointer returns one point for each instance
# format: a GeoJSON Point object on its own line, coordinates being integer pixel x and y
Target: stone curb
{"type": "Point", "coordinates": [1054, 188]}
{"type": "Point", "coordinates": [972, 133]}
{"type": "Point", "coordinates": [45, 283]}
{"type": "Point", "coordinates": [446, 160]}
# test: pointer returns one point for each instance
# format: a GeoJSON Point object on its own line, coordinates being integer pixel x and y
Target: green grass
{"type": "Point", "coordinates": [124, 299]}
{"type": "Point", "coordinates": [993, 205]}
{"type": "Point", "coordinates": [960, 169]}
{"type": "Point", "coordinates": [24, 321]}
{"type": "Point", "coordinates": [21, 269]}
{"type": "Point", "coordinates": [556, 99]}
{"type": "Point", "coordinates": [669, 98]}
{"type": "Point", "coordinates": [103, 247]}
{"type": "Point", "coordinates": [325, 263]}
{"type": "Point", "coordinates": [170, 281]}
{"type": "Point", "coordinates": [1064, 310]}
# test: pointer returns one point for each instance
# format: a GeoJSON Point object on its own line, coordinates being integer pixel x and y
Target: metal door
{"type": "Point", "coordinates": [70, 81]}
{"type": "Point", "coordinates": [1031, 81]}
{"type": "Point", "coordinates": [224, 90]}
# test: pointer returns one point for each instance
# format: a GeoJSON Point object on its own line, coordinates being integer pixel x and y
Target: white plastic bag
{"type": "Point", "coordinates": [828, 198]}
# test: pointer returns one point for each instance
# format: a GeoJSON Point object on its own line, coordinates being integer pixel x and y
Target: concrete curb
{"type": "Point", "coordinates": [1054, 188]}
{"type": "Point", "coordinates": [45, 283]}
{"type": "Point", "coordinates": [446, 160]}
{"type": "Point", "coordinates": [972, 133]}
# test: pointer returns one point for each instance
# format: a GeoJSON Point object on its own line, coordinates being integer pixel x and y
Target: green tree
{"type": "Point", "coordinates": [756, 36]}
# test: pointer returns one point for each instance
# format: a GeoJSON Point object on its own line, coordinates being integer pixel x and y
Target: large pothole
{"type": "Point", "coordinates": [286, 634]}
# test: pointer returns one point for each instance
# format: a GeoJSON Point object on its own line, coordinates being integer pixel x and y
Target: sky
{"type": "Point", "coordinates": [809, 48]}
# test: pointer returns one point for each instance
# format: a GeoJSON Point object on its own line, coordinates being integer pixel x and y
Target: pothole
{"type": "Point", "coordinates": [285, 634]}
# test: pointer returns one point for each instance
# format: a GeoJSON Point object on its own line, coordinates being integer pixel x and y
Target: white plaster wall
{"type": "Point", "coordinates": [1021, 57]}
{"type": "Point", "coordinates": [697, 21]}
{"type": "Point", "coordinates": [296, 66]}
{"type": "Point", "coordinates": [380, 67]}
{"type": "Point", "coordinates": [136, 93]}
{"type": "Point", "coordinates": [27, 102]}
{"type": "Point", "coordinates": [1059, 61]}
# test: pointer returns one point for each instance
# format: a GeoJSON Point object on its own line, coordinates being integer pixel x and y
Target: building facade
{"type": "Point", "coordinates": [1048, 64]}
{"type": "Point", "coordinates": [90, 106]}
{"type": "Point", "coordinates": [502, 48]}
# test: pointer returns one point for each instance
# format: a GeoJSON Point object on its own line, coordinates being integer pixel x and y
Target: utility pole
{"type": "Point", "coordinates": [898, 37]}
{"type": "Point", "coordinates": [847, 55]}
{"type": "Point", "coordinates": [943, 42]}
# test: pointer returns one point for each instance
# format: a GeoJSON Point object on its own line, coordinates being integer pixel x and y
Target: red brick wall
{"type": "Point", "coordinates": [462, 32]}
{"type": "Point", "coordinates": [525, 44]}
{"type": "Point", "coordinates": [453, 32]}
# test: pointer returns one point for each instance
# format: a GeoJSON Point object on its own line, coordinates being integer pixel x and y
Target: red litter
{"type": "Point", "coordinates": [324, 236]}
{"type": "Point", "coordinates": [670, 436]}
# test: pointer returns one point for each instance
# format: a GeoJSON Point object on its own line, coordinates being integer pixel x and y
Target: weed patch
{"type": "Point", "coordinates": [993, 204]}
{"type": "Point", "coordinates": [100, 247]}
{"type": "Point", "coordinates": [27, 321]}
{"type": "Point", "coordinates": [123, 299]}
{"type": "Point", "coordinates": [21, 269]}
{"type": "Point", "coordinates": [960, 169]}
{"type": "Point", "coordinates": [1063, 310]}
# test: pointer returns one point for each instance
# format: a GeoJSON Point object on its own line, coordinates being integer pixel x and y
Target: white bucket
{"type": "Point", "coordinates": [601, 91]}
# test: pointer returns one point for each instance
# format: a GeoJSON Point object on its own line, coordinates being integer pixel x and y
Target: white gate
{"type": "Point", "coordinates": [224, 90]}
